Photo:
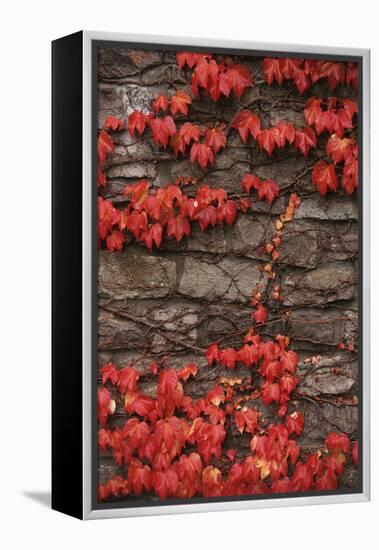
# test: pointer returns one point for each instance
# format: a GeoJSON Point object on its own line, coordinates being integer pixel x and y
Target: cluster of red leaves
{"type": "Point", "coordinates": [170, 444]}
{"type": "Point", "coordinates": [105, 147]}
{"type": "Point", "coordinates": [306, 72]}
{"type": "Point", "coordinates": [266, 189]}
{"type": "Point", "coordinates": [165, 132]}
{"type": "Point", "coordinates": [216, 79]}
{"type": "Point", "coordinates": [333, 115]}
{"type": "Point", "coordinates": [150, 213]}
{"type": "Point", "coordinates": [275, 363]}
{"type": "Point", "coordinates": [336, 117]}
{"type": "Point", "coordinates": [247, 122]}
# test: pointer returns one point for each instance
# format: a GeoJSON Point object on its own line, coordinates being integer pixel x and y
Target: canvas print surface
{"type": "Point", "coordinates": [228, 276]}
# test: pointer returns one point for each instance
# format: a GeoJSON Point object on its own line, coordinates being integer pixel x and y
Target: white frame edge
{"type": "Point", "coordinates": [88, 512]}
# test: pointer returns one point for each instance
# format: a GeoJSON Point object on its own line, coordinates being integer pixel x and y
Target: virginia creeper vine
{"type": "Point", "coordinates": [171, 445]}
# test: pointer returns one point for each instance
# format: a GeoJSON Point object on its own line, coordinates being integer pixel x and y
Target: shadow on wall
{"type": "Point", "coordinates": [41, 497]}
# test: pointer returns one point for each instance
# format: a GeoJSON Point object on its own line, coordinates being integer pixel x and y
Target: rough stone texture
{"type": "Point", "coordinates": [327, 283]}
{"type": "Point", "coordinates": [230, 280]}
{"type": "Point", "coordinates": [169, 305]}
{"type": "Point", "coordinates": [135, 275]}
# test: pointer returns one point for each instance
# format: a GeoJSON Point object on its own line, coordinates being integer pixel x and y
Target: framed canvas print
{"type": "Point", "coordinates": [210, 275]}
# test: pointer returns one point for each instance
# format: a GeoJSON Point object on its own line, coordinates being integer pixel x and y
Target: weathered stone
{"type": "Point", "coordinates": [132, 170]}
{"type": "Point", "coordinates": [289, 115]}
{"type": "Point", "coordinates": [299, 246]}
{"type": "Point", "coordinates": [326, 381]}
{"type": "Point", "coordinates": [132, 149]}
{"type": "Point", "coordinates": [316, 326]}
{"type": "Point", "coordinates": [142, 362]}
{"type": "Point", "coordinates": [248, 234]}
{"type": "Point", "coordinates": [213, 240]}
{"type": "Point", "coordinates": [227, 157]}
{"type": "Point", "coordinates": [187, 321]}
{"type": "Point", "coordinates": [319, 420]}
{"type": "Point", "coordinates": [349, 478]}
{"type": "Point", "coordinates": [335, 207]}
{"type": "Point", "coordinates": [284, 167]}
{"type": "Point", "coordinates": [119, 63]}
{"type": "Point", "coordinates": [228, 280]}
{"type": "Point", "coordinates": [219, 320]}
{"type": "Point", "coordinates": [140, 98]}
{"type": "Point", "coordinates": [228, 178]}
{"type": "Point", "coordinates": [343, 418]}
{"type": "Point", "coordinates": [134, 274]}
{"type": "Point", "coordinates": [107, 468]}
{"type": "Point", "coordinates": [110, 103]}
{"type": "Point", "coordinates": [324, 284]}
{"type": "Point", "coordinates": [338, 243]}
{"type": "Point", "coordinates": [115, 332]}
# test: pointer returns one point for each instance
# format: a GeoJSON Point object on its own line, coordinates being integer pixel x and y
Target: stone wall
{"type": "Point", "coordinates": [173, 302]}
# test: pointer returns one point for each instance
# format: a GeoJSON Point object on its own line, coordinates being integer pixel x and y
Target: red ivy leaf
{"type": "Point", "coordinates": [187, 371]}
{"type": "Point", "coordinates": [301, 81]}
{"type": "Point", "coordinates": [228, 358]}
{"type": "Point", "coordinates": [163, 129]}
{"type": "Point", "coordinates": [178, 144]}
{"type": "Point", "coordinates": [179, 103]}
{"type": "Point", "coordinates": [324, 177]}
{"type": "Point", "coordinates": [105, 146]}
{"type": "Point", "coordinates": [227, 212]}
{"type": "Point", "coordinates": [248, 355]}
{"type": "Point", "coordinates": [189, 132]}
{"type": "Point", "coordinates": [246, 122]}
{"type": "Point", "coordinates": [139, 476]}
{"type": "Point", "coordinates": [337, 442]}
{"type": "Point", "coordinates": [109, 372]}
{"type": "Point", "coordinates": [216, 396]}
{"type": "Point", "coordinates": [206, 71]}
{"type": "Point", "coordinates": [305, 139]}
{"type": "Point", "coordinates": [137, 192]}
{"type": "Point", "coordinates": [160, 104]}
{"type": "Point", "coordinates": [153, 235]}
{"type": "Point", "coordinates": [250, 181]}
{"type": "Point", "coordinates": [202, 153]}
{"type": "Point", "coordinates": [266, 140]}
{"type": "Point", "coordinates": [115, 240]}
{"type": "Point", "coordinates": [187, 58]}
{"type": "Point", "coordinates": [260, 314]}
{"type": "Point", "coordinates": [270, 392]}
{"type": "Point", "coordinates": [215, 138]}
{"type": "Point", "coordinates": [127, 379]}
{"type": "Point", "coordinates": [284, 131]}
{"type": "Point", "coordinates": [165, 483]}
{"type": "Point", "coordinates": [247, 420]}
{"type": "Point", "coordinates": [213, 354]}
{"type": "Point", "coordinates": [295, 423]}
{"type": "Point", "coordinates": [269, 190]}
{"type": "Point", "coordinates": [177, 227]}
{"type": "Point", "coordinates": [313, 111]}
{"type": "Point", "coordinates": [335, 75]}
{"type": "Point", "coordinates": [137, 121]}
{"type": "Point", "coordinates": [271, 70]}
{"type": "Point", "coordinates": [236, 78]}
{"type": "Point", "coordinates": [114, 123]}
{"type": "Point", "coordinates": [339, 148]}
